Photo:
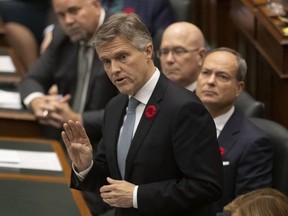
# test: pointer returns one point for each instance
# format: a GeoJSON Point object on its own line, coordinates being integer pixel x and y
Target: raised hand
{"type": "Point", "coordinates": [78, 144]}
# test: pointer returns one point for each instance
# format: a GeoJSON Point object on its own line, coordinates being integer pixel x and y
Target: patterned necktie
{"type": "Point", "coordinates": [126, 135]}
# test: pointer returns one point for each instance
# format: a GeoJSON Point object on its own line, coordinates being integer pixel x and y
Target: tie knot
{"type": "Point", "coordinates": [133, 103]}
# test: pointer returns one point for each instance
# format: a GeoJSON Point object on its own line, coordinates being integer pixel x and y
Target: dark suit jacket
{"type": "Point", "coordinates": [156, 15]}
{"type": "Point", "coordinates": [58, 65]}
{"type": "Point", "coordinates": [174, 157]}
{"type": "Point", "coordinates": [249, 153]}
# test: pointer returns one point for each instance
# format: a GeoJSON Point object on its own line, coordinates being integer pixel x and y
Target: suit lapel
{"type": "Point", "coordinates": [145, 123]}
{"type": "Point", "coordinates": [228, 136]}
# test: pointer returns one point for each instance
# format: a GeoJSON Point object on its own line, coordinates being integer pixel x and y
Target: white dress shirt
{"type": "Point", "coordinates": [221, 120]}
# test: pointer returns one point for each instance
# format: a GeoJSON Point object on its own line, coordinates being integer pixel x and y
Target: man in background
{"type": "Point", "coordinates": [61, 64]}
{"type": "Point", "coordinates": [74, 66]}
{"type": "Point", "coordinates": [181, 53]}
{"type": "Point", "coordinates": [246, 150]}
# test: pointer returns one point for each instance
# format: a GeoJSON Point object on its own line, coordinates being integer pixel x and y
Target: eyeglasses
{"type": "Point", "coordinates": [176, 52]}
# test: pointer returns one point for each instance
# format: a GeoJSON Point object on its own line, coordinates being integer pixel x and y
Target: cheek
{"type": "Point", "coordinates": [228, 92]}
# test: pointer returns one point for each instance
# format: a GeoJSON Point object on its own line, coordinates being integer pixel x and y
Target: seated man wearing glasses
{"type": "Point", "coordinates": [181, 53]}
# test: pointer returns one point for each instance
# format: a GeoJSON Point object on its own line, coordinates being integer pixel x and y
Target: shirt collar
{"type": "Point", "coordinates": [102, 17]}
{"type": "Point", "coordinates": [144, 94]}
{"type": "Point", "coordinates": [192, 86]}
{"type": "Point", "coordinates": [221, 120]}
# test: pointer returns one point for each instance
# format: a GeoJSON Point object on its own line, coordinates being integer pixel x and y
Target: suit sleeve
{"type": "Point", "coordinates": [40, 76]}
{"type": "Point", "coordinates": [255, 166]}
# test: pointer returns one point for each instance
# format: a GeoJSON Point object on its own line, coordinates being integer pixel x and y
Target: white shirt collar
{"type": "Point", "coordinates": [221, 120]}
{"type": "Point", "coordinates": [192, 86]}
{"type": "Point", "coordinates": [144, 94]}
{"type": "Point", "coordinates": [102, 17]}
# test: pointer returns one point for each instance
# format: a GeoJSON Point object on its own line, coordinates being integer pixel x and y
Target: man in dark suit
{"type": "Point", "coordinates": [58, 65]}
{"type": "Point", "coordinates": [173, 165]}
{"type": "Point", "coordinates": [246, 150]}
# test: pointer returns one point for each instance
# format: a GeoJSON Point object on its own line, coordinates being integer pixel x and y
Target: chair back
{"type": "Point", "coordinates": [182, 9]}
{"type": "Point", "coordinates": [279, 138]}
{"type": "Point", "coordinates": [248, 106]}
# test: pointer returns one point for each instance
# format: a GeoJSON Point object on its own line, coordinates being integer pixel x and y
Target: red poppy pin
{"type": "Point", "coordinates": [150, 112]}
{"type": "Point", "coordinates": [222, 151]}
{"type": "Point", "coordinates": [128, 10]}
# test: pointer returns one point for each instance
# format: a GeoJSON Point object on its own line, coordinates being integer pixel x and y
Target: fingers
{"type": "Point", "coordinates": [70, 130]}
{"type": "Point", "coordinates": [81, 130]}
{"type": "Point", "coordinates": [65, 139]}
{"type": "Point", "coordinates": [66, 98]}
{"type": "Point", "coordinates": [74, 131]}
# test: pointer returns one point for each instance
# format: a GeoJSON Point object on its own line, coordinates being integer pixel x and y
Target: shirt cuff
{"type": "Point", "coordinates": [135, 202]}
{"type": "Point", "coordinates": [27, 100]}
{"type": "Point", "coordinates": [81, 175]}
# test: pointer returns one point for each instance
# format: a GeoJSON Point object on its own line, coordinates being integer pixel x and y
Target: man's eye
{"type": "Point", "coordinates": [164, 52]}
{"type": "Point", "coordinates": [122, 57]}
{"type": "Point", "coordinates": [205, 73]}
{"type": "Point", "coordinates": [179, 51]}
{"type": "Point", "coordinates": [223, 77]}
{"type": "Point", "coordinates": [73, 10]}
{"type": "Point", "coordinates": [105, 61]}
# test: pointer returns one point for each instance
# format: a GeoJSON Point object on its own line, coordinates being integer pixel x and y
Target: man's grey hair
{"type": "Point", "coordinates": [242, 66]}
{"type": "Point", "coordinates": [126, 26]}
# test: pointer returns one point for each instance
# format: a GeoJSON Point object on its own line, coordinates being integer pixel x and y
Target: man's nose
{"type": "Point", "coordinates": [114, 66]}
{"type": "Point", "coordinates": [211, 78]}
{"type": "Point", "coordinates": [68, 19]}
{"type": "Point", "coordinates": [170, 57]}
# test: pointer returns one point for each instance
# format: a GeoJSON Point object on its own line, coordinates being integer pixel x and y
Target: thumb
{"type": "Point", "coordinates": [112, 181]}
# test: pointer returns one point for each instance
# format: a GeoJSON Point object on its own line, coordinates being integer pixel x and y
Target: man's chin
{"type": "Point", "coordinates": [173, 77]}
{"type": "Point", "coordinates": [75, 38]}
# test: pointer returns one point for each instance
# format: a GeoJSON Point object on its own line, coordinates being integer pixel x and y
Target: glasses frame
{"type": "Point", "coordinates": [175, 54]}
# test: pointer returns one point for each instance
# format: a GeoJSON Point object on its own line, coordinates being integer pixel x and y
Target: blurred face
{"type": "Point", "coordinates": [217, 86]}
{"type": "Point", "coordinates": [180, 56]}
{"type": "Point", "coordinates": [127, 67]}
{"type": "Point", "coordinates": [78, 18]}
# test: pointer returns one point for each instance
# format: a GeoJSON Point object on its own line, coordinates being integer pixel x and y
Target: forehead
{"type": "Point", "coordinates": [176, 37]}
{"type": "Point", "coordinates": [117, 45]}
{"type": "Point", "coordinates": [65, 4]}
{"type": "Point", "coordinates": [221, 61]}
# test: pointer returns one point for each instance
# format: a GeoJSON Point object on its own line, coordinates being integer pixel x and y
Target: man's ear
{"type": "Point", "coordinates": [149, 51]}
{"type": "Point", "coordinates": [202, 54]}
{"type": "Point", "coordinates": [240, 87]}
{"type": "Point", "coordinates": [96, 2]}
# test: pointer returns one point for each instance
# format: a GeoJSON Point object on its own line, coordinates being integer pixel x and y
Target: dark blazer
{"type": "Point", "coordinates": [174, 156]}
{"type": "Point", "coordinates": [58, 65]}
{"type": "Point", "coordinates": [156, 15]}
{"type": "Point", "coordinates": [249, 153]}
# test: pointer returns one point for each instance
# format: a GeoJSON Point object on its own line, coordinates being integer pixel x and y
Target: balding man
{"type": "Point", "coordinates": [181, 53]}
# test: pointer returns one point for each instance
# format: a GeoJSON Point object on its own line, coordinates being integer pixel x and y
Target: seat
{"type": "Point", "coordinates": [181, 9]}
{"type": "Point", "coordinates": [279, 138]}
{"type": "Point", "coordinates": [248, 106]}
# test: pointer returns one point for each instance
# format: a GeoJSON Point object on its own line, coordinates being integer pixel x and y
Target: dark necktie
{"type": "Point", "coordinates": [126, 135]}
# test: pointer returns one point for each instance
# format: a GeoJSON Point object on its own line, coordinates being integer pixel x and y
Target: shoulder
{"type": "Point", "coordinates": [60, 37]}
